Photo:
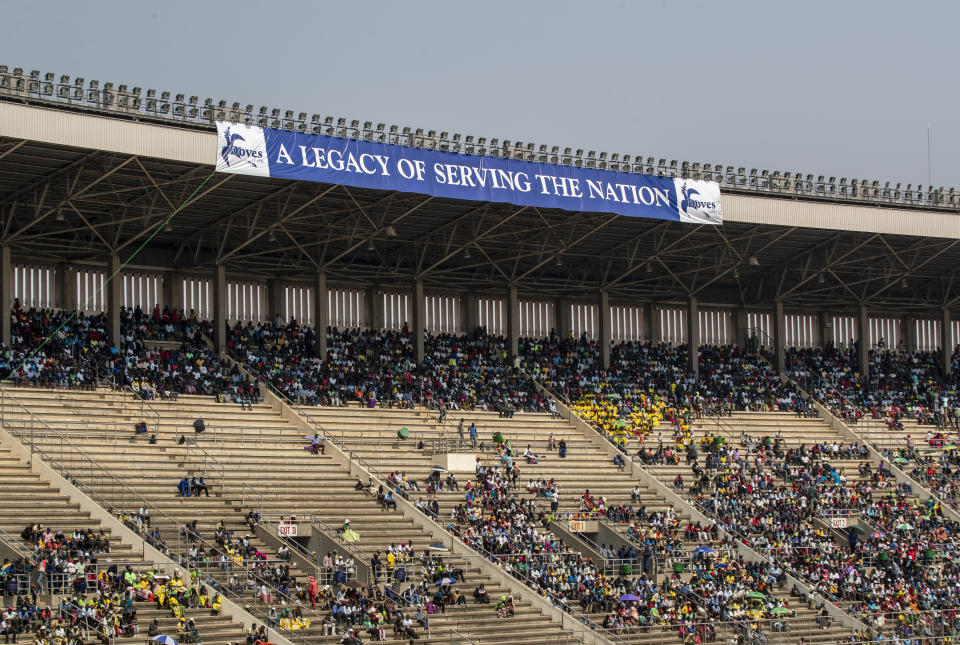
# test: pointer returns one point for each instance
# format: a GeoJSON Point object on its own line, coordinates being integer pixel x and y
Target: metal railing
{"type": "Point", "coordinates": [207, 460]}
{"type": "Point", "coordinates": [16, 546]}
{"type": "Point", "coordinates": [836, 602]}
{"type": "Point", "coordinates": [253, 492]}
{"type": "Point", "coordinates": [145, 409]}
{"type": "Point", "coordinates": [890, 466]}
{"type": "Point", "coordinates": [101, 485]}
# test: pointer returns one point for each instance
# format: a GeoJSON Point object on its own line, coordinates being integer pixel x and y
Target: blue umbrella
{"type": "Point", "coordinates": [446, 581]}
{"type": "Point", "coordinates": [703, 549]}
{"type": "Point", "coordinates": [628, 596]}
{"type": "Point", "coordinates": [164, 640]}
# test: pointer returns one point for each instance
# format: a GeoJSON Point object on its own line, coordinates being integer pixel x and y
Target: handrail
{"type": "Point", "coordinates": [191, 444]}
{"type": "Point", "coordinates": [877, 453]}
{"type": "Point", "coordinates": [243, 495]}
{"type": "Point", "coordinates": [103, 477]}
{"type": "Point", "coordinates": [85, 619]}
{"type": "Point", "coordinates": [155, 414]}
{"type": "Point", "coordinates": [16, 546]}
{"type": "Point", "coordinates": [353, 456]}
{"type": "Point", "coordinates": [685, 495]}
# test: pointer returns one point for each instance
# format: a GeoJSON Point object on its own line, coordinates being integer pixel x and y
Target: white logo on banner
{"type": "Point", "coordinates": [698, 202]}
{"type": "Point", "coordinates": [241, 149]}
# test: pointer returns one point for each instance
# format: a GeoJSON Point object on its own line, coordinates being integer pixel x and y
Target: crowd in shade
{"type": "Point", "coordinates": [54, 350]}
{"type": "Point", "coordinates": [378, 368]}
{"type": "Point", "coordinates": [899, 384]}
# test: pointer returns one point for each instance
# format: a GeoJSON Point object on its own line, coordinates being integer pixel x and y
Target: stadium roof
{"type": "Point", "coordinates": [812, 248]}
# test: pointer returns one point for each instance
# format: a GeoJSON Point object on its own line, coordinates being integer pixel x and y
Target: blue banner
{"type": "Point", "coordinates": [266, 152]}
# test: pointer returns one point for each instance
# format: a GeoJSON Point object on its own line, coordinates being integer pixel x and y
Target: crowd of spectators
{"type": "Point", "coordinates": [899, 384]}
{"type": "Point", "coordinates": [897, 562]}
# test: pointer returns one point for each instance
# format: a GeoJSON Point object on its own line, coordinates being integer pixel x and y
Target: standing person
{"type": "Point", "coordinates": [460, 429]}
{"type": "Point", "coordinates": [473, 434]}
{"type": "Point", "coordinates": [563, 449]}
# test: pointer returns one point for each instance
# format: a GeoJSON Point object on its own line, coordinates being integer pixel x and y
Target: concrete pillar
{"type": "Point", "coordinates": [946, 342]}
{"type": "Point", "coordinates": [863, 340]}
{"type": "Point", "coordinates": [172, 290]}
{"type": "Point", "coordinates": [321, 314]}
{"type": "Point", "coordinates": [114, 295]}
{"type": "Point", "coordinates": [561, 311]}
{"type": "Point", "coordinates": [824, 329]}
{"type": "Point", "coordinates": [274, 313]}
{"type": "Point", "coordinates": [513, 323]}
{"type": "Point", "coordinates": [64, 285]}
{"type": "Point", "coordinates": [419, 322]}
{"type": "Point", "coordinates": [373, 308]}
{"type": "Point", "coordinates": [908, 334]}
{"type": "Point", "coordinates": [651, 323]}
{"type": "Point", "coordinates": [470, 309]}
{"type": "Point", "coordinates": [741, 334]}
{"type": "Point", "coordinates": [605, 329]}
{"type": "Point", "coordinates": [6, 291]}
{"type": "Point", "coordinates": [219, 308]}
{"type": "Point", "coordinates": [779, 337]}
{"type": "Point", "coordinates": [693, 337]}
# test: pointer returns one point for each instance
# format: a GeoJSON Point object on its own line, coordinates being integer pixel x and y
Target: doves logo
{"type": "Point", "coordinates": [232, 149]}
{"type": "Point", "coordinates": [698, 201]}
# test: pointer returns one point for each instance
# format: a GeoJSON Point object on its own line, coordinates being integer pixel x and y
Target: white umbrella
{"type": "Point", "coordinates": [164, 640]}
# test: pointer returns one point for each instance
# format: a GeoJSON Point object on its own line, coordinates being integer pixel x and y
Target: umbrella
{"type": "Point", "coordinates": [354, 584]}
{"type": "Point", "coordinates": [437, 547]}
{"type": "Point", "coordinates": [439, 469]}
{"type": "Point", "coordinates": [877, 535]}
{"type": "Point", "coordinates": [628, 596]}
{"type": "Point", "coordinates": [779, 610]}
{"type": "Point", "coordinates": [905, 526]}
{"type": "Point", "coordinates": [164, 640]}
{"type": "Point", "coordinates": [901, 460]}
{"type": "Point", "coordinates": [756, 594]}
{"type": "Point", "coordinates": [445, 581]}
{"type": "Point", "coordinates": [619, 423]}
{"type": "Point", "coordinates": [703, 549]}
{"type": "Point", "coordinates": [950, 447]}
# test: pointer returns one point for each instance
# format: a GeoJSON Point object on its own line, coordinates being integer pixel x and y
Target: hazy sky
{"type": "Point", "coordinates": [833, 88]}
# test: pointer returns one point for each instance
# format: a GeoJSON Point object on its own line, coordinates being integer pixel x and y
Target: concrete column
{"type": "Point", "coordinates": [779, 337]}
{"type": "Point", "coordinates": [274, 313]}
{"type": "Point", "coordinates": [63, 287]}
{"type": "Point", "coordinates": [742, 335]}
{"type": "Point", "coordinates": [6, 291]}
{"type": "Point", "coordinates": [373, 308]}
{"type": "Point", "coordinates": [693, 337]}
{"type": "Point", "coordinates": [418, 324]}
{"type": "Point", "coordinates": [561, 311]}
{"type": "Point", "coordinates": [908, 333]}
{"type": "Point", "coordinates": [172, 291]}
{"type": "Point", "coordinates": [605, 329]}
{"type": "Point", "coordinates": [863, 340]}
{"type": "Point", "coordinates": [114, 295]}
{"type": "Point", "coordinates": [219, 308]}
{"type": "Point", "coordinates": [470, 308]}
{"type": "Point", "coordinates": [824, 331]}
{"type": "Point", "coordinates": [321, 314]}
{"type": "Point", "coordinates": [651, 323]}
{"type": "Point", "coordinates": [946, 342]}
{"type": "Point", "coordinates": [513, 323]}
